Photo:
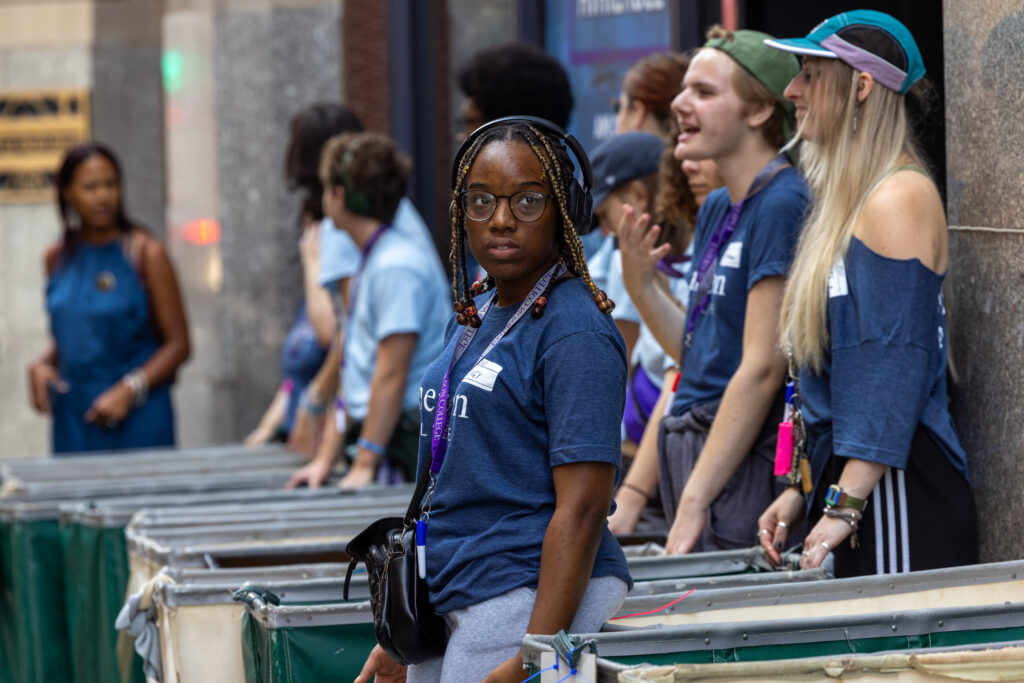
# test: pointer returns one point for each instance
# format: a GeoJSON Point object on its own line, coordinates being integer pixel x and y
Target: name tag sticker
{"type": "Point", "coordinates": [483, 375]}
{"type": "Point", "coordinates": [733, 254]}
{"type": "Point", "coordinates": [837, 285]}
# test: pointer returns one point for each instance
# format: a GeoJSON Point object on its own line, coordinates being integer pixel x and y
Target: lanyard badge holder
{"type": "Point", "coordinates": [790, 449]}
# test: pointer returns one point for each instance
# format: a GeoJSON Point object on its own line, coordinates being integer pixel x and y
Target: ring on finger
{"type": "Point", "coordinates": [826, 546]}
{"type": "Point", "coordinates": [782, 525]}
{"type": "Point", "coordinates": [762, 532]}
{"type": "Point", "coordinates": [805, 554]}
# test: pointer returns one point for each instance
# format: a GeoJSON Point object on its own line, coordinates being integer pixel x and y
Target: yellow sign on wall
{"type": "Point", "coordinates": [36, 128]}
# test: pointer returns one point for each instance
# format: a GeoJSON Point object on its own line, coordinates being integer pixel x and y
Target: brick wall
{"type": "Point", "coordinates": [365, 61]}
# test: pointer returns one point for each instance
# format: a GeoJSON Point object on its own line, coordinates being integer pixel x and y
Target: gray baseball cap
{"type": "Point", "coordinates": [623, 158]}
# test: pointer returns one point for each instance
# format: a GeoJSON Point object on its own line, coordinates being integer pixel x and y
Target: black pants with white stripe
{"type": "Point", "coordinates": [922, 517]}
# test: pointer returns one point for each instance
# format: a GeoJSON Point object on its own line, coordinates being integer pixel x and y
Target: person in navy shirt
{"type": "Point", "coordinates": [717, 443]}
{"type": "Point", "coordinates": [517, 539]}
{"type": "Point", "coordinates": [864, 316]}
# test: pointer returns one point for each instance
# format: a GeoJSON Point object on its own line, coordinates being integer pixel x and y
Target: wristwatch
{"type": "Point", "coordinates": [838, 498]}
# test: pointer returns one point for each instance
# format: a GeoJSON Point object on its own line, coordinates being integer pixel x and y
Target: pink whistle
{"type": "Point", "coordinates": [784, 449]}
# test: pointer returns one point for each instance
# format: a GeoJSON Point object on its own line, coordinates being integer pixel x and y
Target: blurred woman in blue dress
{"type": "Point", "coordinates": [117, 323]}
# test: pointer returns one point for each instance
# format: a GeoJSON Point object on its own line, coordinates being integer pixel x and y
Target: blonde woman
{"type": "Point", "coordinates": [864, 319]}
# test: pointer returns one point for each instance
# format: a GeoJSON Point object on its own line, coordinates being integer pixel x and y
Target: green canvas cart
{"type": "Point", "coordinates": [95, 555]}
{"type": "Point", "coordinates": [33, 631]}
{"type": "Point", "coordinates": [200, 622]}
{"type": "Point", "coordinates": [285, 643]}
{"type": "Point", "coordinates": [937, 608]}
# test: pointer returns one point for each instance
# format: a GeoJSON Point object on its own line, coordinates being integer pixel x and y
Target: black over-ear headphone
{"type": "Point", "coordinates": [580, 201]}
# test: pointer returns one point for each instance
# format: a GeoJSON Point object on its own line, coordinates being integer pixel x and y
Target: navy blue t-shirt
{"type": "Point", "coordinates": [762, 246]}
{"type": "Point", "coordinates": [885, 372]}
{"type": "Point", "coordinates": [550, 393]}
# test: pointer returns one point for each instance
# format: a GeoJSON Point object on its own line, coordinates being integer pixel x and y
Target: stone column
{"type": "Point", "coordinates": [47, 46]}
{"type": "Point", "coordinates": [127, 102]}
{"type": "Point", "coordinates": [984, 135]}
{"type": "Point", "coordinates": [245, 67]}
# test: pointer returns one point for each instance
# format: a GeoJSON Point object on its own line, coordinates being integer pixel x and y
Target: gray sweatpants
{"type": "Point", "coordinates": [483, 636]}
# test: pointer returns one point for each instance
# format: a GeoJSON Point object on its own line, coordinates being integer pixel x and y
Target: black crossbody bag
{"type": "Point", "coordinates": [404, 621]}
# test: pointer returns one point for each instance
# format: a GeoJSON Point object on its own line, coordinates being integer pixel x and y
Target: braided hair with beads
{"type": "Point", "coordinates": [558, 171]}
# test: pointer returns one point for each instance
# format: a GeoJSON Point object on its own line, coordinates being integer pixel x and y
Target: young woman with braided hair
{"type": "Point", "coordinates": [557, 165]}
{"type": "Point", "coordinates": [522, 463]}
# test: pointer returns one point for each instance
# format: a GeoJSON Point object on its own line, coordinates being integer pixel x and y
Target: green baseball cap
{"type": "Point", "coordinates": [773, 68]}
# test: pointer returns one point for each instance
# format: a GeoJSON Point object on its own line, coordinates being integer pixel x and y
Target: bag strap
{"type": "Point", "coordinates": [417, 496]}
{"type": "Point", "coordinates": [407, 520]}
{"type": "Point", "coordinates": [348, 578]}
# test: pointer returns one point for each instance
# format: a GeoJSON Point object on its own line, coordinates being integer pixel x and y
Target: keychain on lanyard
{"type": "Point", "coordinates": [790, 449]}
{"type": "Point", "coordinates": [439, 433]}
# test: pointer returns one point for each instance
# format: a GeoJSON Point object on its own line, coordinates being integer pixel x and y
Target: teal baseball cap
{"type": "Point", "coordinates": [869, 41]}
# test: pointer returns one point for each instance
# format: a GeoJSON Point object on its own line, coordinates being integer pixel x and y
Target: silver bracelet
{"type": "Point", "coordinates": [139, 384]}
{"type": "Point", "coordinates": [852, 517]}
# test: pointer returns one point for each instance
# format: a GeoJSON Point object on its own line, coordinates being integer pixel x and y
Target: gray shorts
{"type": "Point", "coordinates": [732, 518]}
{"type": "Point", "coordinates": [485, 635]}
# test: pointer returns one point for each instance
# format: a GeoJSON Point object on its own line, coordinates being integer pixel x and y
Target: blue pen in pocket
{"type": "Point", "coordinates": [421, 548]}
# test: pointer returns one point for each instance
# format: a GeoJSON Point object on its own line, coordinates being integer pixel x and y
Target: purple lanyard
{"type": "Point", "coordinates": [667, 265]}
{"type": "Point", "coordinates": [438, 438]}
{"type": "Point", "coordinates": [709, 259]}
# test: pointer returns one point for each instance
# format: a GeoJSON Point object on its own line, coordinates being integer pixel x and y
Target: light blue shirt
{"type": "Point", "coordinates": [599, 263]}
{"type": "Point", "coordinates": [591, 242]}
{"type": "Point", "coordinates": [605, 267]}
{"type": "Point", "coordinates": [647, 352]}
{"type": "Point", "coordinates": [400, 289]}
{"type": "Point", "coordinates": [339, 255]}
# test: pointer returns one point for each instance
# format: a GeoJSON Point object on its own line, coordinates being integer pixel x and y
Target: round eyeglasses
{"type": "Point", "coordinates": [526, 206]}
